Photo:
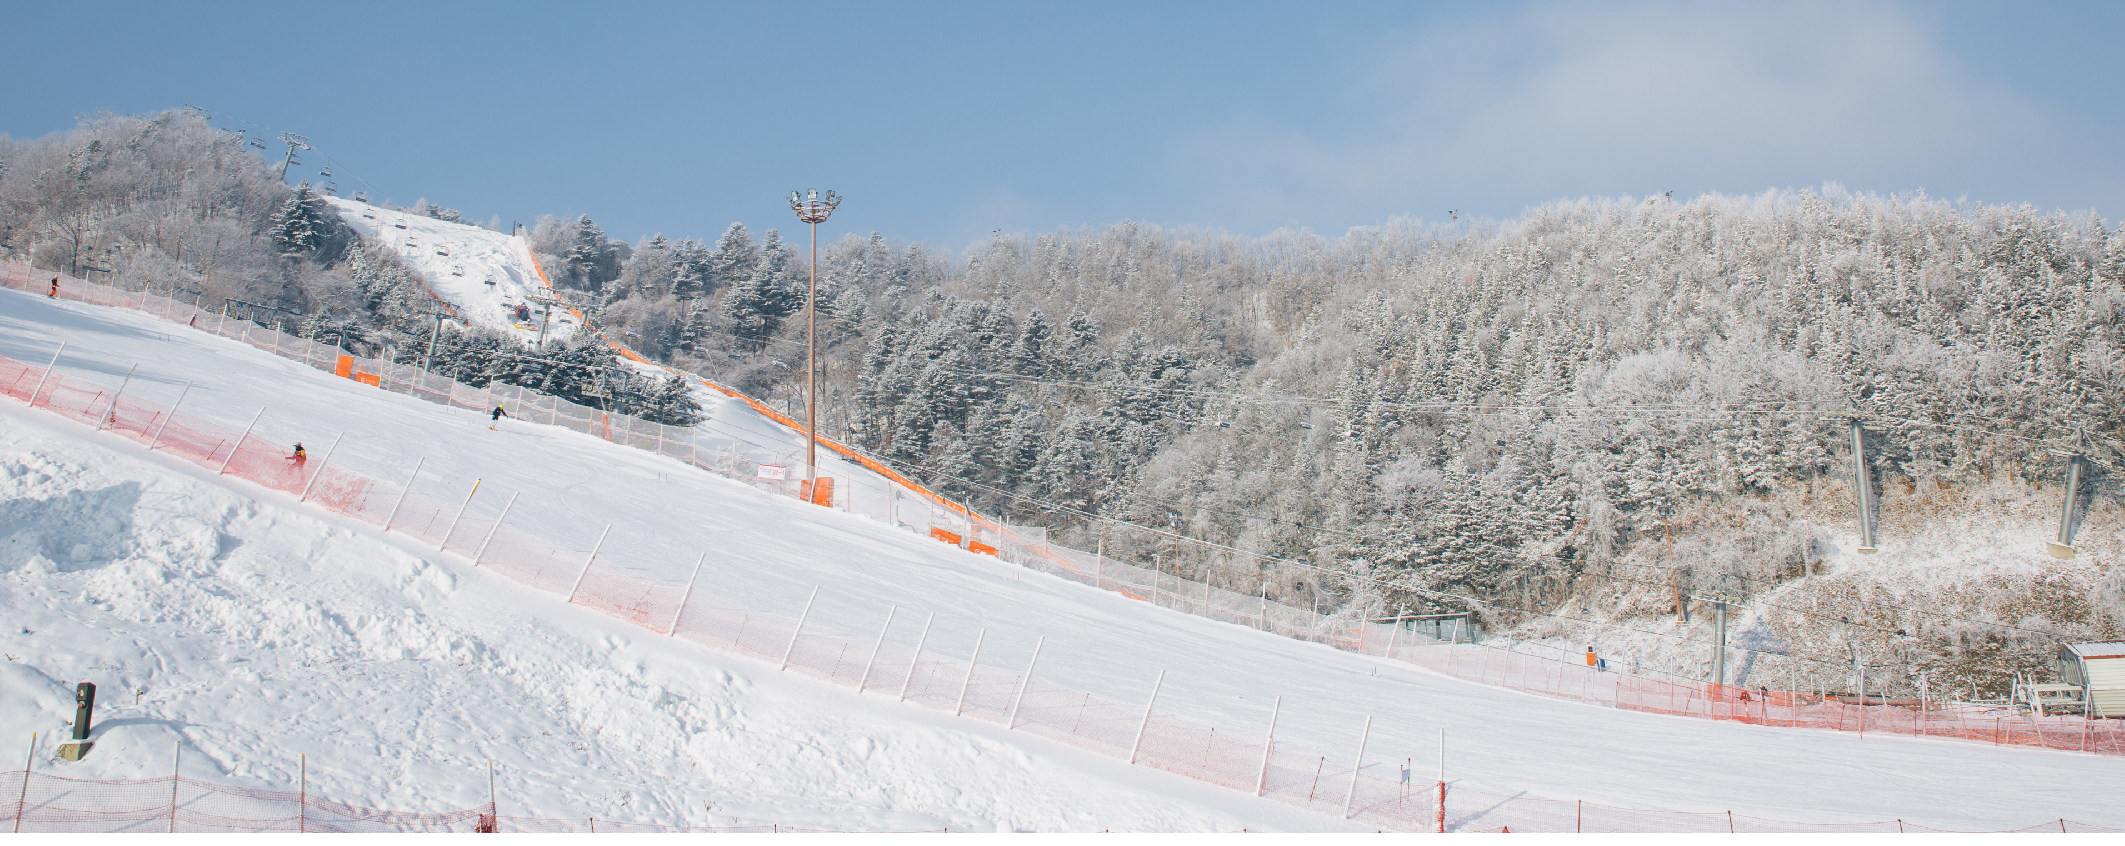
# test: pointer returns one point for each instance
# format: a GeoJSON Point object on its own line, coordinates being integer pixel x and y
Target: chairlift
{"type": "Point", "coordinates": [399, 225]}
{"type": "Point", "coordinates": [325, 172]}
{"type": "Point", "coordinates": [257, 143]}
{"type": "Point", "coordinates": [441, 252]}
{"type": "Point", "coordinates": [457, 271]}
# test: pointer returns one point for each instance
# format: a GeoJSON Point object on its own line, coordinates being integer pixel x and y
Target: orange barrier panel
{"type": "Point", "coordinates": [948, 537]}
{"type": "Point", "coordinates": [368, 379]}
{"type": "Point", "coordinates": [344, 369]}
{"type": "Point", "coordinates": [978, 546]}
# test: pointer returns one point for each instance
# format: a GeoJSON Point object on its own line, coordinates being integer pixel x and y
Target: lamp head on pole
{"type": "Point", "coordinates": [812, 208]}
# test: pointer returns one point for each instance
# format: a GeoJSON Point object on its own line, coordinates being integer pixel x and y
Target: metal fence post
{"type": "Point", "coordinates": [867, 665]}
{"type": "Point", "coordinates": [48, 367]}
{"type": "Point", "coordinates": [320, 471]}
{"type": "Point", "coordinates": [969, 680]}
{"type": "Point", "coordinates": [1356, 768]}
{"type": "Point", "coordinates": [593, 559]}
{"type": "Point", "coordinates": [917, 660]}
{"type": "Point", "coordinates": [445, 542]}
{"type": "Point", "coordinates": [388, 518]}
{"type": "Point", "coordinates": [792, 648]}
{"type": "Point", "coordinates": [689, 594]}
{"type": "Point", "coordinates": [1261, 782]}
{"type": "Point", "coordinates": [1138, 745]}
{"type": "Point", "coordinates": [239, 442]}
{"type": "Point", "coordinates": [1012, 720]}
{"type": "Point", "coordinates": [482, 552]}
{"type": "Point", "coordinates": [112, 414]}
{"type": "Point", "coordinates": [166, 417]}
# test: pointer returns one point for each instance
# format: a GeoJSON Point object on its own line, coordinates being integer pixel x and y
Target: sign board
{"type": "Point", "coordinates": [772, 473]}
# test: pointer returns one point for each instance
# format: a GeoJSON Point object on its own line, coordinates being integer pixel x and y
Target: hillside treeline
{"type": "Point", "coordinates": [1500, 409]}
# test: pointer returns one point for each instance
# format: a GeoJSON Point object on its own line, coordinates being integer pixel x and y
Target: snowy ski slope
{"type": "Point", "coordinates": [485, 276]}
{"type": "Point", "coordinates": [190, 588]}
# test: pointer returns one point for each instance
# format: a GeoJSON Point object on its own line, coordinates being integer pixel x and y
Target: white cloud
{"type": "Point", "coordinates": [1568, 100]}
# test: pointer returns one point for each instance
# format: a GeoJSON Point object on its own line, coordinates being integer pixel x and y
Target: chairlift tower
{"type": "Point", "coordinates": [546, 305]}
{"type": "Point", "coordinates": [1864, 484]}
{"type": "Point", "coordinates": [812, 209]}
{"type": "Point", "coordinates": [2063, 547]}
{"type": "Point", "coordinates": [294, 142]}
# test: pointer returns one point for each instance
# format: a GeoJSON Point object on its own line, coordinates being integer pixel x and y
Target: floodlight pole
{"type": "Point", "coordinates": [812, 209]}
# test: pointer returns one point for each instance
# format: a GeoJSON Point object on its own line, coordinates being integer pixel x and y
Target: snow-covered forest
{"type": "Point", "coordinates": [1518, 410]}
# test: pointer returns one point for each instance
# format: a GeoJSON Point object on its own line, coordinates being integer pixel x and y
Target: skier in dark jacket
{"type": "Point", "coordinates": [299, 456]}
{"type": "Point", "coordinates": [497, 416]}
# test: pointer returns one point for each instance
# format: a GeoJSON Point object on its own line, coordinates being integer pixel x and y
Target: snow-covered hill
{"type": "Point", "coordinates": [490, 279]}
{"type": "Point", "coordinates": [258, 628]}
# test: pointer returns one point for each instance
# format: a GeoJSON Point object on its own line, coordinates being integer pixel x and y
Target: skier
{"type": "Point", "coordinates": [299, 455]}
{"type": "Point", "coordinates": [55, 288]}
{"type": "Point", "coordinates": [497, 416]}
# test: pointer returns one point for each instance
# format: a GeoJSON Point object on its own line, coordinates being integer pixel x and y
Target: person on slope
{"type": "Point", "coordinates": [497, 416]}
{"type": "Point", "coordinates": [55, 288]}
{"type": "Point", "coordinates": [299, 456]}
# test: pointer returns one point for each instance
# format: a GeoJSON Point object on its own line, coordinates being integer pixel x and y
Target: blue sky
{"type": "Point", "coordinates": [942, 122]}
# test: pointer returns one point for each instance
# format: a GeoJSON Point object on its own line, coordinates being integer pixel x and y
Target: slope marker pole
{"type": "Point", "coordinates": [593, 559]}
{"type": "Point", "coordinates": [792, 648]}
{"type": "Point", "coordinates": [166, 417]}
{"type": "Point", "coordinates": [1023, 683]}
{"type": "Point", "coordinates": [1441, 811]}
{"type": "Point", "coordinates": [973, 662]}
{"type": "Point", "coordinates": [689, 594]}
{"type": "Point", "coordinates": [482, 551]}
{"type": "Point", "coordinates": [1138, 745]}
{"type": "Point", "coordinates": [239, 442]}
{"type": "Point", "coordinates": [917, 660]}
{"type": "Point", "coordinates": [867, 665]}
{"type": "Point", "coordinates": [320, 471]}
{"type": "Point", "coordinates": [404, 491]}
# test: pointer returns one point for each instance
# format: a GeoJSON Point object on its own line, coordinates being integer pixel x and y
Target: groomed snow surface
{"type": "Point", "coordinates": [256, 628]}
